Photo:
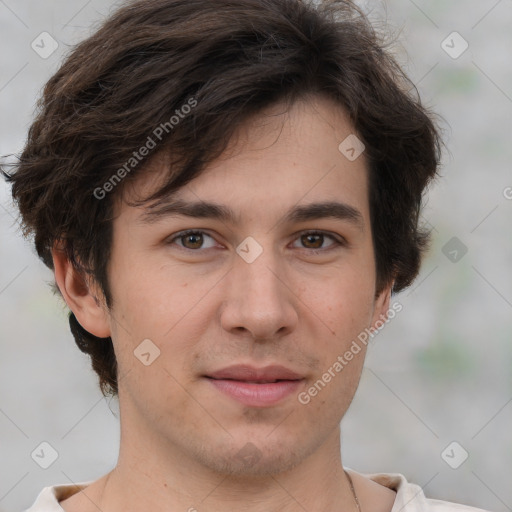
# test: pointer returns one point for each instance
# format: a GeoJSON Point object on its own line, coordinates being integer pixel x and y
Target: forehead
{"type": "Point", "coordinates": [277, 158]}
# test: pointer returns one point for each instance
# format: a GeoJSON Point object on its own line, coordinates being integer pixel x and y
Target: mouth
{"type": "Point", "coordinates": [256, 387]}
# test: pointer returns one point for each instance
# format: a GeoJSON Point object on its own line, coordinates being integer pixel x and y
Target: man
{"type": "Point", "coordinates": [228, 194]}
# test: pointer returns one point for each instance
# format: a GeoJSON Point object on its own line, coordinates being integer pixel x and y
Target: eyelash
{"type": "Point", "coordinates": [338, 241]}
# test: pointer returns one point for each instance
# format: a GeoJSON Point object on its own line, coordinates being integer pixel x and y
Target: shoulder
{"type": "Point", "coordinates": [411, 498]}
{"type": "Point", "coordinates": [445, 506]}
{"type": "Point", "coordinates": [48, 500]}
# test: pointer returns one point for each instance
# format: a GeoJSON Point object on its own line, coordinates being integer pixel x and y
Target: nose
{"type": "Point", "coordinates": [260, 301]}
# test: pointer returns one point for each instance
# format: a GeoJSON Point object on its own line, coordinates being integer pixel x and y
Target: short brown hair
{"type": "Point", "coordinates": [232, 58]}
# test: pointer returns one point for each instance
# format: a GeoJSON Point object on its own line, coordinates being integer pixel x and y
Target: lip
{"type": "Point", "coordinates": [249, 373]}
{"type": "Point", "coordinates": [251, 386]}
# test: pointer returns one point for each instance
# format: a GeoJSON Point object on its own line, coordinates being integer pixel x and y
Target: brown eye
{"type": "Point", "coordinates": [312, 240]}
{"type": "Point", "coordinates": [318, 242]}
{"type": "Point", "coordinates": [192, 240]}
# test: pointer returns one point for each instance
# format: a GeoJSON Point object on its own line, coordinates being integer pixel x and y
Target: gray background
{"type": "Point", "coordinates": [439, 372]}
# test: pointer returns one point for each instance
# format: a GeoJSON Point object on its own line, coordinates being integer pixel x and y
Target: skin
{"type": "Point", "coordinates": [206, 309]}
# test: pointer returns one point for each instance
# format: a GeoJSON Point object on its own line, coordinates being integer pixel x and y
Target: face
{"type": "Point", "coordinates": [265, 287]}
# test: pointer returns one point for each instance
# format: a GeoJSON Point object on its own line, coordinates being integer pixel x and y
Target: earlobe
{"type": "Point", "coordinates": [382, 305]}
{"type": "Point", "coordinates": [80, 297]}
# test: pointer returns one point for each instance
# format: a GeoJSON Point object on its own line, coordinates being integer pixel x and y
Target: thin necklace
{"type": "Point", "coordinates": [353, 491]}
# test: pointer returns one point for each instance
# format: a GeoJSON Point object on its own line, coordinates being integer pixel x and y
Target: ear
{"type": "Point", "coordinates": [381, 311]}
{"type": "Point", "coordinates": [80, 296]}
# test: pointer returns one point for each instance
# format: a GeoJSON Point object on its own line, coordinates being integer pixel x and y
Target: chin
{"type": "Point", "coordinates": [255, 457]}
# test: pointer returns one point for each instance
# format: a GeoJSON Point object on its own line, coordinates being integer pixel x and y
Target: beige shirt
{"type": "Point", "coordinates": [409, 497]}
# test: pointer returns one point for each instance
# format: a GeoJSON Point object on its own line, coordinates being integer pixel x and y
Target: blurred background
{"type": "Point", "coordinates": [435, 400]}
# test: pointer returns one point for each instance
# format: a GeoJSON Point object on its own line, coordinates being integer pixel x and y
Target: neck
{"type": "Point", "coordinates": [170, 480]}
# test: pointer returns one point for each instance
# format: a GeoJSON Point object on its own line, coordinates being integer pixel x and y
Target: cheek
{"type": "Point", "coordinates": [166, 308]}
{"type": "Point", "coordinates": [152, 300]}
{"type": "Point", "coordinates": [156, 307]}
{"type": "Point", "coordinates": [342, 304]}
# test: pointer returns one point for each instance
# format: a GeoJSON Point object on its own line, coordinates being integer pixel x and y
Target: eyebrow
{"type": "Point", "coordinates": [209, 210]}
